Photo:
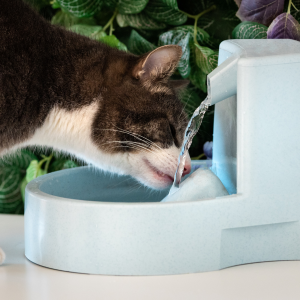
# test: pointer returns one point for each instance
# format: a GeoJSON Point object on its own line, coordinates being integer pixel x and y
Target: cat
{"type": "Point", "coordinates": [115, 110]}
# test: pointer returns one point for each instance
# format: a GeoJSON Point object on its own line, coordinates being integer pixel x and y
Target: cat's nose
{"type": "Point", "coordinates": [187, 167]}
{"type": "Point", "coordinates": [186, 170]}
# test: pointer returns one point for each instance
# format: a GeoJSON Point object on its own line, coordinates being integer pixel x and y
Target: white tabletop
{"type": "Point", "coordinates": [21, 279]}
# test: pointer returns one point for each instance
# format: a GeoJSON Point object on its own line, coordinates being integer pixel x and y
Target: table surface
{"type": "Point", "coordinates": [21, 279]}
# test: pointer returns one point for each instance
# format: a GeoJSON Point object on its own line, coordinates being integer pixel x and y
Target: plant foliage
{"type": "Point", "coordinates": [140, 26]}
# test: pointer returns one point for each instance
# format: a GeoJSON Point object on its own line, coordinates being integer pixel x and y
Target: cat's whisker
{"type": "Point", "coordinates": [124, 131]}
{"type": "Point", "coordinates": [146, 143]}
{"type": "Point", "coordinates": [133, 133]}
{"type": "Point", "coordinates": [136, 134]}
{"type": "Point", "coordinates": [137, 145]}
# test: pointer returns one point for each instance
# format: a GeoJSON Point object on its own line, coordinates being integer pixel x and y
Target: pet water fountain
{"type": "Point", "coordinates": [84, 221]}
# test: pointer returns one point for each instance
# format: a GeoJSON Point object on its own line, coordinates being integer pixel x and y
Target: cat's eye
{"type": "Point", "coordinates": [173, 131]}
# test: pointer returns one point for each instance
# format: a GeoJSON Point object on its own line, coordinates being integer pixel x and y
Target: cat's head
{"type": "Point", "coordinates": [141, 121]}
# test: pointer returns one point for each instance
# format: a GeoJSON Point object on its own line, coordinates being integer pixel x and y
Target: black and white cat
{"type": "Point", "coordinates": [115, 110]}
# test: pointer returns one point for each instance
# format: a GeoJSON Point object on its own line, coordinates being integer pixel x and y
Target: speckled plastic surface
{"type": "Point", "coordinates": [81, 221]}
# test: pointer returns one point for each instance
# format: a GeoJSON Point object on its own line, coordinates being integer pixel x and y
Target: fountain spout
{"type": "Point", "coordinates": [222, 82]}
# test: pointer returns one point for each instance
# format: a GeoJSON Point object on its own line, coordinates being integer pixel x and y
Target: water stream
{"type": "Point", "coordinates": [190, 132]}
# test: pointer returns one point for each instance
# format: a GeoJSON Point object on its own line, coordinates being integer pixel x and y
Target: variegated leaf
{"type": "Point", "coordinates": [201, 55]}
{"type": "Point", "coordinates": [131, 6]}
{"type": "Point", "coordinates": [10, 195]}
{"type": "Point", "coordinates": [250, 30]}
{"type": "Point", "coordinates": [139, 21]}
{"type": "Point", "coordinates": [19, 159]}
{"type": "Point", "coordinates": [162, 12]}
{"type": "Point", "coordinates": [66, 20]}
{"type": "Point", "coordinates": [138, 45]}
{"type": "Point", "coordinates": [181, 38]}
{"type": "Point", "coordinates": [81, 8]}
{"type": "Point", "coordinates": [93, 32]}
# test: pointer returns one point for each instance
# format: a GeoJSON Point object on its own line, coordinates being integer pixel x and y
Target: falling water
{"type": "Point", "coordinates": [190, 132]}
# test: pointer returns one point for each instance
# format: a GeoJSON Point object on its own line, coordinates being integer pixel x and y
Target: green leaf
{"type": "Point", "coordinates": [220, 22]}
{"type": "Point", "coordinates": [20, 160]}
{"type": "Point", "coordinates": [198, 78]}
{"type": "Point", "coordinates": [184, 36]}
{"type": "Point", "coordinates": [32, 170]}
{"type": "Point", "coordinates": [10, 196]}
{"type": "Point", "coordinates": [202, 36]}
{"type": "Point", "coordinates": [138, 45]}
{"type": "Point", "coordinates": [213, 61]}
{"type": "Point", "coordinates": [171, 3]}
{"type": "Point", "coordinates": [112, 41]}
{"type": "Point", "coordinates": [93, 32]}
{"type": "Point", "coordinates": [159, 10]}
{"type": "Point", "coordinates": [70, 164]}
{"type": "Point", "coordinates": [81, 8]}
{"type": "Point", "coordinates": [181, 38]}
{"type": "Point", "coordinates": [55, 4]}
{"type": "Point", "coordinates": [191, 100]}
{"type": "Point", "coordinates": [139, 21]}
{"type": "Point", "coordinates": [57, 165]}
{"type": "Point", "coordinates": [131, 6]}
{"type": "Point", "coordinates": [66, 20]}
{"type": "Point", "coordinates": [184, 67]}
{"type": "Point", "coordinates": [206, 58]}
{"type": "Point", "coordinates": [250, 30]}
{"type": "Point", "coordinates": [23, 187]}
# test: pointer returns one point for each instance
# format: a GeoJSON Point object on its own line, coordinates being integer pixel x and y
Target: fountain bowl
{"type": "Point", "coordinates": [87, 221]}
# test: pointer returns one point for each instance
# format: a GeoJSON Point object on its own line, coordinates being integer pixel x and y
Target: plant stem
{"type": "Point", "coordinates": [295, 6]}
{"type": "Point", "coordinates": [111, 29]}
{"type": "Point", "coordinates": [198, 157]}
{"type": "Point", "coordinates": [48, 162]}
{"type": "Point", "coordinates": [110, 23]}
{"type": "Point", "coordinates": [196, 17]}
{"type": "Point", "coordinates": [200, 14]}
{"type": "Point", "coordinates": [289, 7]}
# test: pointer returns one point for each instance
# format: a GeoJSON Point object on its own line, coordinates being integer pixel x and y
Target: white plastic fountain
{"type": "Point", "coordinates": [80, 221]}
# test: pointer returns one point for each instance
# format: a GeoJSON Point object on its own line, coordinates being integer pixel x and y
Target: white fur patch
{"type": "Point", "coordinates": [70, 131]}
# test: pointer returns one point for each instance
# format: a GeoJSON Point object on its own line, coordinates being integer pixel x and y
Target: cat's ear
{"type": "Point", "coordinates": [158, 64]}
{"type": "Point", "coordinates": [178, 85]}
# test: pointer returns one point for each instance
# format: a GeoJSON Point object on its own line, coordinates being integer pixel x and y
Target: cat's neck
{"type": "Point", "coordinates": [47, 68]}
{"type": "Point", "coordinates": [70, 132]}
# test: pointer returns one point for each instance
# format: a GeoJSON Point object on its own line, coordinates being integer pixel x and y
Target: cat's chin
{"type": "Point", "coordinates": [160, 179]}
{"type": "Point", "coordinates": [157, 169]}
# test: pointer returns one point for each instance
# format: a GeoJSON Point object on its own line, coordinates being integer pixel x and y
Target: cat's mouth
{"type": "Point", "coordinates": [159, 175]}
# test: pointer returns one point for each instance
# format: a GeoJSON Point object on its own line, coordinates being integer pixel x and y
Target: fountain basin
{"type": "Point", "coordinates": [81, 221]}
{"type": "Point", "coordinates": [86, 221]}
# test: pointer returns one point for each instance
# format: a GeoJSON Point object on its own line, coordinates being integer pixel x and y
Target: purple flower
{"type": "Point", "coordinates": [207, 149]}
